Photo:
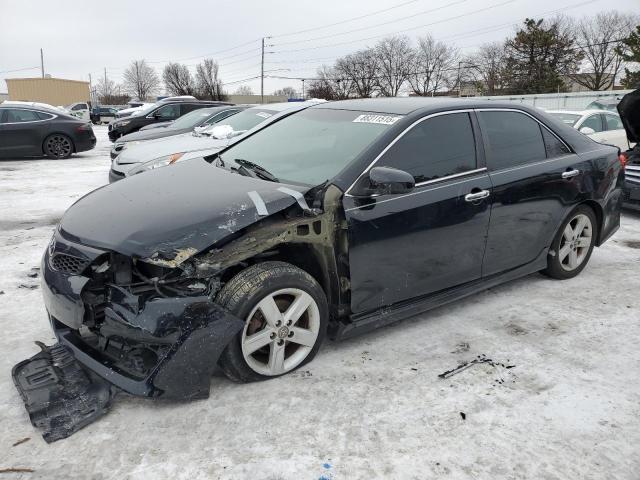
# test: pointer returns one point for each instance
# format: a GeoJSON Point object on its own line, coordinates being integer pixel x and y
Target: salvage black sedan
{"type": "Point", "coordinates": [334, 220]}
{"type": "Point", "coordinates": [28, 131]}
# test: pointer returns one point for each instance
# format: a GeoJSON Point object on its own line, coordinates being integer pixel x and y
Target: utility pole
{"type": "Point", "coordinates": [262, 74]}
{"type": "Point", "coordinates": [303, 88]}
{"type": "Point", "coordinates": [90, 91]}
{"type": "Point", "coordinates": [42, 63]}
{"type": "Point", "coordinates": [459, 81]}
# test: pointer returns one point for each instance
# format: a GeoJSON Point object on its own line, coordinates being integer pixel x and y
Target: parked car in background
{"type": "Point", "coordinates": [604, 104]}
{"type": "Point", "coordinates": [166, 151]}
{"type": "Point", "coordinates": [165, 110]}
{"type": "Point", "coordinates": [80, 110]}
{"type": "Point", "coordinates": [156, 125]}
{"type": "Point", "coordinates": [103, 114]}
{"type": "Point", "coordinates": [136, 107]}
{"type": "Point", "coordinates": [187, 123]}
{"type": "Point", "coordinates": [332, 221]}
{"type": "Point", "coordinates": [27, 131]}
{"type": "Point", "coordinates": [601, 125]}
{"type": "Point", "coordinates": [629, 108]}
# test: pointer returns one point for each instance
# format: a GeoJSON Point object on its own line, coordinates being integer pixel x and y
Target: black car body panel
{"type": "Point", "coordinates": [135, 300]}
{"type": "Point", "coordinates": [162, 111]}
{"type": "Point", "coordinates": [26, 138]}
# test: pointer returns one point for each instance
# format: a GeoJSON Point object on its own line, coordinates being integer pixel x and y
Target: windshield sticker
{"type": "Point", "coordinates": [263, 114]}
{"type": "Point", "coordinates": [379, 119]}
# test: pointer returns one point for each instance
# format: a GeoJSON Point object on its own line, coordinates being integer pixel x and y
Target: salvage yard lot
{"type": "Point", "coordinates": [371, 407]}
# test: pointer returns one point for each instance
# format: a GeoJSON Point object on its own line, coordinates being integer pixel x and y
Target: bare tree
{"type": "Point", "coordinates": [105, 87]}
{"type": "Point", "coordinates": [433, 64]}
{"type": "Point", "coordinates": [596, 40]}
{"type": "Point", "coordinates": [361, 69]}
{"type": "Point", "coordinates": [178, 79]}
{"type": "Point", "coordinates": [244, 90]}
{"type": "Point", "coordinates": [140, 80]}
{"type": "Point", "coordinates": [288, 92]}
{"type": "Point", "coordinates": [330, 85]}
{"type": "Point", "coordinates": [208, 82]}
{"type": "Point", "coordinates": [395, 58]}
{"type": "Point", "coordinates": [486, 68]}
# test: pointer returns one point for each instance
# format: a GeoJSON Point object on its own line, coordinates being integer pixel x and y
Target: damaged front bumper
{"type": "Point", "coordinates": [155, 347]}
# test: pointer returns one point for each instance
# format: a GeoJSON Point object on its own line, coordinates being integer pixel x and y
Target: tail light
{"type": "Point", "coordinates": [84, 128]}
{"type": "Point", "coordinates": [623, 157]}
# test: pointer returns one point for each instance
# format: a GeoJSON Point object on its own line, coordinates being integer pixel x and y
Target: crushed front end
{"type": "Point", "coordinates": [148, 330]}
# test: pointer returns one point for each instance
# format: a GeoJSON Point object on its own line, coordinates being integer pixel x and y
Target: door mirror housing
{"type": "Point", "coordinates": [587, 130]}
{"type": "Point", "coordinates": [388, 180]}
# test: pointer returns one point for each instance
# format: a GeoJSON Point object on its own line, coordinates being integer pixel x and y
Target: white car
{"type": "Point", "coordinates": [601, 125]}
{"type": "Point", "coordinates": [80, 110]}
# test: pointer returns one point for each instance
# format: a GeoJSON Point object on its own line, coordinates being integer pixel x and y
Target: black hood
{"type": "Point", "coordinates": [629, 110]}
{"type": "Point", "coordinates": [153, 133]}
{"type": "Point", "coordinates": [173, 212]}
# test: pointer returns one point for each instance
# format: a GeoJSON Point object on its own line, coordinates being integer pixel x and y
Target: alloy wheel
{"type": "Point", "coordinates": [280, 331]}
{"type": "Point", "coordinates": [58, 146]}
{"type": "Point", "coordinates": [575, 242]}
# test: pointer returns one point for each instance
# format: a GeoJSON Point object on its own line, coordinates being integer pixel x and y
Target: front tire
{"type": "Point", "coordinates": [58, 146]}
{"type": "Point", "coordinates": [286, 315]}
{"type": "Point", "coordinates": [573, 244]}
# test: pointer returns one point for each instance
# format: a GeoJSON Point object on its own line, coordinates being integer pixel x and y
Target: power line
{"type": "Point", "coordinates": [473, 12]}
{"type": "Point", "coordinates": [208, 54]}
{"type": "Point", "coordinates": [345, 21]}
{"type": "Point", "coordinates": [424, 12]}
{"type": "Point", "coordinates": [20, 69]}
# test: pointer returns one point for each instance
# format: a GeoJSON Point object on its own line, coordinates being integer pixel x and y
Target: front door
{"type": "Point", "coordinates": [408, 245]}
{"type": "Point", "coordinates": [21, 132]}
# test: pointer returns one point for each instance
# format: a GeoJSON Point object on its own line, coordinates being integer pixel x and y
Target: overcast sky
{"type": "Point", "coordinates": [84, 36]}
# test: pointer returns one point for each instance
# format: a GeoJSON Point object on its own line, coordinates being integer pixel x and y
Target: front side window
{"type": "Point", "coordinates": [437, 147]}
{"type": "Point", "coordinates": [19, 116]}
{"type": "Point", "coordinates": [512, 139]}
{"type": "Point", "coordinates": [594, 122]}
{"type": "Point", "coordinates": [168, 112]}
{"type": "Point", "coordinates": [80, 106]}
{"type": "Point", "coordinates": [613, 122]}
{"type": "Point", "coordinates": [311, 146]}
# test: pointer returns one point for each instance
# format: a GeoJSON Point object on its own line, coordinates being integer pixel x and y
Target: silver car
{"type": "Point", "coordinates": [151, 154]}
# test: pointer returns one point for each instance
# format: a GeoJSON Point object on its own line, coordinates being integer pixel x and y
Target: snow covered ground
{"type": "Point", "coordinates": [372, 407]}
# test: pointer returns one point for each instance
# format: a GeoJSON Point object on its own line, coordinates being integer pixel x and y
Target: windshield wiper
{"type": "Point", "coordinates": [256, 170]}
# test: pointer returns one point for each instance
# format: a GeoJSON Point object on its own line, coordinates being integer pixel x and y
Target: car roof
{"type": "Point", "coordinates": [583, 112]}
{"type": "Point", "coordinates": [407, 105]}
{"type": "Point", "coordinates": [284, 106]}
{"type": "Point", "coordinates": [33, 106]}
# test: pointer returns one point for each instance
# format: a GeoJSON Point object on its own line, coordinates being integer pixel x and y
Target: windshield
{"type": "Point", "coordinates": [311, 146]}
{"type": "Point", "coordinates": [245, 120]}
{"type": "Point", "coordinates": [144, 110]}
{"type": "Point", "coordinates": [192, 119]}
{"type": "Point", "coordinates": [566, 118]}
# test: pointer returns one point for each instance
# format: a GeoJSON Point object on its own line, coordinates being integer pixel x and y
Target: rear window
{"type": "Point", "coordinates": [566, 118]}
{"type": "Point", "coordinates": [512, 138]}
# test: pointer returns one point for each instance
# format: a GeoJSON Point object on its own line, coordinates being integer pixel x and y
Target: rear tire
{"type": "Point", "coordinates": [573, 244]}
{"type": "Point", "coordinates": [58, 146]}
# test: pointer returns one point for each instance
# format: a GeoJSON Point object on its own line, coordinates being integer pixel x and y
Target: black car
{"type": "Point", "coordinates": [103, 114]}
{"type": "Point", "coordinates": [335, 220]}
{"type": "Point", "coordinates": [198, 118]}
{"type": "Point", "coordinates": [27, 131]}
{"type": "Point", "coordinates": [162, 111]}
{"type": "Point", "coordinates": [629, 110]}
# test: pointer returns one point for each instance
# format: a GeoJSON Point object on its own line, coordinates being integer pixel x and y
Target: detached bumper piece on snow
{"type": "Point", "coordinates": [60, 395]}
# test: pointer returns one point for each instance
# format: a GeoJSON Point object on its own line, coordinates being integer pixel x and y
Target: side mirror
{"type": "Point", "coordinates": [587, 130]}
{"type": "Point", "coordinates": [388, 180]}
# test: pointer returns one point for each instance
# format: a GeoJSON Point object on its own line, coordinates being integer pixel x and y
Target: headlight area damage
{"type": "Point", "coordinates": [150, 326]}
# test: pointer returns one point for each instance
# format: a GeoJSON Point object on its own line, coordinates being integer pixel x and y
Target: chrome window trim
{"type": "Point", "coordinates": [400, 135]}
{"type": "Point", "coordinates": [9, 107]}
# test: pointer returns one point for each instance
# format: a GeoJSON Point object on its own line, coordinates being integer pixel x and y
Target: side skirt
{"type": "Point", "coordinates": [370, 321]}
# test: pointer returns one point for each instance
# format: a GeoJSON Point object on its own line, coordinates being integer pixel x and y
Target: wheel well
{"type": "Point", "coordinates": [597, 210]}
{"type": "Point", "coordinates": [73, 144]}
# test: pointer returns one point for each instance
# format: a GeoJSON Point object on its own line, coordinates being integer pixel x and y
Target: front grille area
{"type": "Point", "coordinates": [68, 264]}
{"type": "Point", "coordinates": [632, 173]}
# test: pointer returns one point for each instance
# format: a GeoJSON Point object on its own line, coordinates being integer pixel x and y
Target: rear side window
{"type": "Point", "coordinates": [512, 139]}
{"type": "Point", "coordinates": [613, 122]}
{"type": "Point", "coordinates": [80, 106]}
{"type": "Point", "coordinates": [435, 148]}
{"type": "Point", "coordinates": [168, 112]}
{"type": "Point", "coordinates": [18, 116]}
{"type": "Point", "coordinates": [44, 116]}
{"type": "Point", "coordinates": [553, 145]}
{"type": "Point", "coordinates": [594, 122]}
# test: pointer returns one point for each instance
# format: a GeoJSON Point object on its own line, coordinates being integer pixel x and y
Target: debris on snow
{"type": "Point", "coordinates": [476, 361]}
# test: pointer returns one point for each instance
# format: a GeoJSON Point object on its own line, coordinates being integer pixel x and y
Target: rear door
{"type": "Point", "coordinates": [403, 246]}
{"type": "Point", "coordinates": [536, 182]}
{"type": "Point", "coordinates": [614, 133]}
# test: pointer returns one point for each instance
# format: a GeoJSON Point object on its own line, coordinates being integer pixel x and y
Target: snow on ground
{"type": "Point", "coordinates": [371, 407]}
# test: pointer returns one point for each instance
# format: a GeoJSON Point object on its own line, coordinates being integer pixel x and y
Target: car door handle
{"type": "Point", "coordinates": [475, 196]}
{"type": "Point", "coordinates": [570, 174]}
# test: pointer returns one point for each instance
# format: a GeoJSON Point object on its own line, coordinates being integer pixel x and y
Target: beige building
{"type": "Point", "coordinates": [54, 91]}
